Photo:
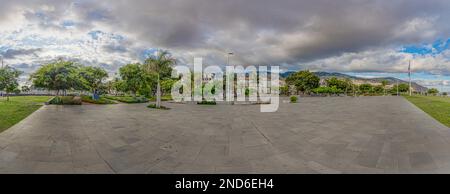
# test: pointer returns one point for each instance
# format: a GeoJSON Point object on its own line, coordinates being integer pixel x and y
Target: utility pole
{"type": "Point", "coordinates": [409, 74]}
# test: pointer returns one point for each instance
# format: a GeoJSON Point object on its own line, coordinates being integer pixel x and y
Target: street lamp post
{"type": "Point", "coordinates": [228, 64]}
{"type": "Point", "coordinates": [228, 57]}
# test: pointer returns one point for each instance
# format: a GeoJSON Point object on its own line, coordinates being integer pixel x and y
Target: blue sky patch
{"type": "Point", "coordinates": [436, 47]}
{"type": "Point", "coordinates": [68, 23]}
{"type": "Point", "coordinates": [146, 53]}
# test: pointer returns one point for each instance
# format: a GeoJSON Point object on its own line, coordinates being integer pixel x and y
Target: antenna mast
{"type": "Point", "coordinates": [409, 74]}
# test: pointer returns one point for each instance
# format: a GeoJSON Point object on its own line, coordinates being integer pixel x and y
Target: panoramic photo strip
{"type": "Point", "coordinates": [224, 95]}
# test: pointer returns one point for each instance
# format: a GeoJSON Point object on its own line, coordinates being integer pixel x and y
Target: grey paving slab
{"type": "Point", "coordinates": [316, 135]}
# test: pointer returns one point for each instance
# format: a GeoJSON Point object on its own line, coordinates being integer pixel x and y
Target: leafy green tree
{"type": "Point", "coordinates": [304, 81]}
{"type": "Point", "coordinates": [92, 79]}
{"type": "Point", "coordinates": [9, 80]}
{"type": "Point", "coordinates": [284, 90]}
{"type": "Point", "coordinates": [109, 86]}
{"type": "Point", "coordinates": [327, 90]}
{"type": "Point", "coordinates": [118, 86]}
{"type": "Point", "coordinates": [366, 88]}
{"type": "Point", "coordinates": [341, 84]}
{"type": "Point", "coordinates": [161, 66]}
{"type": "Point", "coordinates": [132, 78]}
{"type": "Point", "coordinates": [401, 88]}
{"type": "Point", "coordinates": [58, 76]}
{"type": "Point", "coordinates": [433, 91]}
{"type": "Point", "coordinates": [25, 88]}
{"type": "Point", "coordinates": [166, 86]}
{"type": "Point", "coordinates": [379, 89]}
{"type": "Point", "coordinates": [149, 85]}
{"type": "Point", "coordinates": [349, 85]}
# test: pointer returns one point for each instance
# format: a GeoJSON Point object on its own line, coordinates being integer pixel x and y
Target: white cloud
{"type": "Point", "coordinates": [383, 60]}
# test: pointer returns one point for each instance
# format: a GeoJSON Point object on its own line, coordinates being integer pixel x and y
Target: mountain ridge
{"type": "Point", "coordinates": [391, 80]}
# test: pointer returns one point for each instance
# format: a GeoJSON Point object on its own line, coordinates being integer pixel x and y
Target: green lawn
{"type": "Point", "coordinates": [436, 106]}
{"type": "Point", "coordinates": [18, 108]}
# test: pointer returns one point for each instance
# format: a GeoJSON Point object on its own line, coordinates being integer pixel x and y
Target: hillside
{"type": "Point", "coordinates": [391, 80]}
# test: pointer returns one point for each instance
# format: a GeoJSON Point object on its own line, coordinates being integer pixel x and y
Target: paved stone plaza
{"type": "Point", "coordinates": [316, 135]}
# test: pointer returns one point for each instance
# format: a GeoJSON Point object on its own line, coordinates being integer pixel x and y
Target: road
{"type": "Point", "coordinates": [316, 135]}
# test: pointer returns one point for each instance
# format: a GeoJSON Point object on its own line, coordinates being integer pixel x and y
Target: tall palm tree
{"type": "Point", "coordinates": [159, 65]}
{"type": "Point", "coordinates": [384, 83]}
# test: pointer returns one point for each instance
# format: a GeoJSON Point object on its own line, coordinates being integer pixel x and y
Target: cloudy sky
{"type": "Point", "coordinates": [362, 37]}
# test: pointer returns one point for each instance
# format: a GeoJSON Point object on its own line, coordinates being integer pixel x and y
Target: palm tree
{"type": "Point", "coordinates": [384, 83]}
{"type": "Point", "coordinates": [159, 65]}
{"type": "Point", "coordinates": [348, 83]}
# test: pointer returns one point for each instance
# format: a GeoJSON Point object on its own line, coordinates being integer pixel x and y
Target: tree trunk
{"type": "Point", "coordinates": [7, 96]}
{"type": "Point", "coordinates": [158, 94]}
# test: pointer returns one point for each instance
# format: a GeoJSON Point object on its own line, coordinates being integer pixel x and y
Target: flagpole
{"type": "Point", "coordinates": [409, 73]}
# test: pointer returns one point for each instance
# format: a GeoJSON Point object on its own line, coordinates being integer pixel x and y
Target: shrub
{"type": "Point", "coordinates": [294, 99]}
{"type": "Point", "coordinates": [65, 100]}
{"type": "Point", "coordinates": [327, 90]}
{"type": "Point", "coordinates": [163, 98]}
{"type": "Point", "coordinates": [322, 90]}
{"type": "Point", "coordinates": [128, 99]}
{"type": "Point", "coordinates": [335, 90]}
{"type": "Point", "coordinates": [433, 91]}
{"type": "Point", "coordinates": [102, 100]}
{"type": "Point", "coordinates": [154, 106]}
{"type": "Point", "coordinates": [204, 102]}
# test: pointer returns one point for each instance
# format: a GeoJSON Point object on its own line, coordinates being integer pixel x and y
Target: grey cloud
{"type": "Point", "coordinates": [433, 83]}
{"type": "Point", "coordinates": [288, 32]}
{"type": "Point", "coordinates": [13, 53]}
{"type": "Point", "coordinates": [115, 48]}
{"type": "Point", "coordinates": [22, 66]}
{"type": "Point", "coordinates": [302, 30]}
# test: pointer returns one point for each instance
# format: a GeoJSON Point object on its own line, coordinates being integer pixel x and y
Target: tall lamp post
{"type": "Point", "coordinates": [228, 57]}
{"type": "Point", "coordinates": [229, 54]}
